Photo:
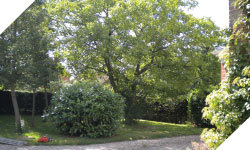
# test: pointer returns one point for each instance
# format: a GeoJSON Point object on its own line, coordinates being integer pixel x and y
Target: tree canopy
{"type": "Point", "coordinates": [148, 49]}
{"type": "Point", "coordinates": [24, 55]}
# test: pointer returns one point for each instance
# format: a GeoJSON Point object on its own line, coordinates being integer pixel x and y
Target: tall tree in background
{"type": "Point", "coordinates": [24, 52]}
{"type": "Point", "coordinates": [38, 74]}
{"type": "Point", "coordinates": [12, 62]}
{"type": "Point", "coordinates": [146, 48]}
{"type": "Point", "coordinates": [41, 68]}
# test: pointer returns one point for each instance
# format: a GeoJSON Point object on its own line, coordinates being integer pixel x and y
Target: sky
{"type": "Point", "coordinates": [10, 10]}
{"type": "Point", "coordinates": [217, 10]}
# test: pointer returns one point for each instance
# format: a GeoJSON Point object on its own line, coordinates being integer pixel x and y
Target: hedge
{"type": "Point", "coordinates": [24, 100]}
{"type": "Point", "coordinates": [171, 111]}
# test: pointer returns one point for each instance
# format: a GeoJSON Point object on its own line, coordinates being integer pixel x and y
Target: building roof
{"type": "Point", "coordinates": [218, 51]}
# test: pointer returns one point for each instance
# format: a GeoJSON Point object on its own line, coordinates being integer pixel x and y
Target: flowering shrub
{"type": "Point", "coordinates": [228, 108]}
{"type": "Point", "coordinates": [86, 109]}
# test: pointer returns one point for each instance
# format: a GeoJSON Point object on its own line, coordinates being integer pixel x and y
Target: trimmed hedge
{"type": "Point", "coordinates": [171, 111]}
{"type": "Point", "coordinates": [24, 100]}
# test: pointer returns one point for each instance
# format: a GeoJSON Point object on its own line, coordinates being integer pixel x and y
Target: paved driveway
{"type": "Point", "coordinates": [175, 143]}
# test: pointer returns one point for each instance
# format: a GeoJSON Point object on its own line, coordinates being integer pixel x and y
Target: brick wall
{"type": "Point", "coordinates": [223, 72]}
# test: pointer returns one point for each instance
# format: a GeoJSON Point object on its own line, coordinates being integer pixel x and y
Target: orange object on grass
{"type": "Point", "coordinates": [43, 139]}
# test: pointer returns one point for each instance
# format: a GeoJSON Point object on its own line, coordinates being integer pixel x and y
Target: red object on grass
{"type": "Point", "coordinates": [43, 139]}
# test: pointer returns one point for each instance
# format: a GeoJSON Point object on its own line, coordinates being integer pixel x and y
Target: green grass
{"type": "Point", "coordinates": [142, 130]}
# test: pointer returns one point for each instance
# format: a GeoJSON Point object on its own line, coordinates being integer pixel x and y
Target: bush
{"type": "Point", "coordinates": [197, 101]}
{"type": "Point", "coordinates": [228, 109]}
{"type": "Point", "coordinates": [86, 109]}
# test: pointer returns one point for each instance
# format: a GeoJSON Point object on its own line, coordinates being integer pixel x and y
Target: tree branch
{"type": "Point", "coordinates": [110, 74]}
{"type": "Point", "coordinates": [146, 67]}
{"type": "Point", "coordinates": [159, 49]}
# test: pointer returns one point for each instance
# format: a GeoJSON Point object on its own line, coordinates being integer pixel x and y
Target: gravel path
{"type": "Point", "coordinates": [175, 143]}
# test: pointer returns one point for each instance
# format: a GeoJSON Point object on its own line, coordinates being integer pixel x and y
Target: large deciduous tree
{"type": "Point", "coordinates": [148, 49]}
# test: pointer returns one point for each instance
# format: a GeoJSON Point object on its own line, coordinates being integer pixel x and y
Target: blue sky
{"type": "Point", "coordinates": [217, 10]}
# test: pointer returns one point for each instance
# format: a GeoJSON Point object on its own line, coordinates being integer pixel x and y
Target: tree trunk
{"type": "Point", "coordinates": [33, 108]}
{"type": "Point", "coordinates": [46, 98]}
{"type": "Point", "coordinates": [130, 113]}
{"type": "Point", "coordinates": [110, 75]}
{"type": "Point", "coordinates": [16, 110]}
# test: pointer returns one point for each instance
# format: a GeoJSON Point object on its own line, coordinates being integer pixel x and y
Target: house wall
{"type": "Point", "coordinates": [223, 72]}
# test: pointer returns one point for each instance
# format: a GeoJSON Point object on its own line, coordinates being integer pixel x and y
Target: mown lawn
{"type": "Point", "coordinates": [142, 130]}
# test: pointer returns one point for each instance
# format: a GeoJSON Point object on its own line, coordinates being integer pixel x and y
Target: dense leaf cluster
{"type": "Point", "coordinates": [228, 108]}
{"type": "Point", "coordinates": [196, 102]}
{"type": "Point", "coordinates": [86, 109]}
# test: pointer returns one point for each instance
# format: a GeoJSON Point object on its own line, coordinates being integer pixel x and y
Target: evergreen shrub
{"type": "Point", "coordinates": [86, 109]}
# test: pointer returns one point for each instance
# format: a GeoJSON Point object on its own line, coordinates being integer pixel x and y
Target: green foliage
{"type": "Point", "coordinates": [20, 42]}
{"type": "Point", "coordinates": [207, 79]}
{"type": "Point", "coordinates": [229, 106]}
{"type": "Point", "coordinates": [196, 102]}
{"type": "Point", "coordinates": [172, 111]}
{"type": "Point", "coordinates": [148, 49]}
{"type": "Point", "coordinates": [25, 48]}
{"type": "Point", "coordinates": [86, 109]}
{"type": "Point", "coordinates": [40, 67]}
{"type": "Point", "coordinates": [228, 109]}
{"type": "Point", "coordinates": [24, 58]}
{"type": "Point", "coordinates": [24, 100]}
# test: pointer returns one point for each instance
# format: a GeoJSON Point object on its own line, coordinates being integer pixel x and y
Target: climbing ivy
{"type": "Point", "coordinates": [229, 106]}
